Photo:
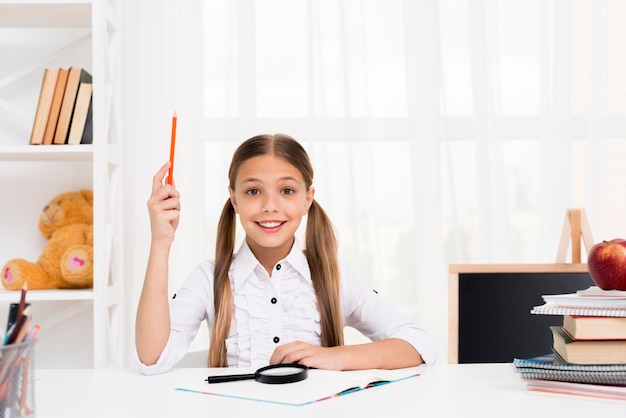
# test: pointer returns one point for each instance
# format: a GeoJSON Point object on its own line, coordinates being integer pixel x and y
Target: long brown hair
{"type": "Point", "coordinates": [320, 248]}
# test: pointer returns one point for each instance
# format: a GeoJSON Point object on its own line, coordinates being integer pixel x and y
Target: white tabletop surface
{"type": "Point", "coordinates": [468, 390]}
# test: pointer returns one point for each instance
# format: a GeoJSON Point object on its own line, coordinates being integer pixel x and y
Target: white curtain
{"type": "Point", "coordinates": [442, 131]}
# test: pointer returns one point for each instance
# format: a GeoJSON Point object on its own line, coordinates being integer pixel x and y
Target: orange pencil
{"type": "Point", "coordinates": [172, 147]}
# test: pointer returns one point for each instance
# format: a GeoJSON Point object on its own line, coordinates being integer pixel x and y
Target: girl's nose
{"type": "Point", "coordinates": [269, 203]}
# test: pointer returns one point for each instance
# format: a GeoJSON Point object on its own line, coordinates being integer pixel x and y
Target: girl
{"type": "Point", "coordinates": [271, 302]}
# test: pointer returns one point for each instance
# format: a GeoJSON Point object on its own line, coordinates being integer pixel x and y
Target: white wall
{"type": "Point", "coordinates": [147, 110]}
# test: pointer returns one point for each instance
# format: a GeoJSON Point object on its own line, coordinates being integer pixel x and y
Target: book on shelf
{"type": "Point", "coordinates": [48, 84]}
{"type": "Point", "coordinates": [319, 386]}
{"type": "Point", "coordinates": [55, 107]}
{"type": "Point", "coordinates": [76, 76]}
{"type": "Point", "coordinates": [553, 367]}
{"type": "Point", "coordinates": [595, 327]}
{"type": "Point", "coordinates": [87, 137]}
{"type": "Point", "coordinates": [81, 113]}
{"type": "Point", "coordinates": [587, 351]}
{"type": "Point", "coordinates": [554, 387]}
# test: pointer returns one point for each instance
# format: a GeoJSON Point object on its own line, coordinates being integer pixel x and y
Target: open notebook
{"type": "Point", "coordinates": [319, 386]}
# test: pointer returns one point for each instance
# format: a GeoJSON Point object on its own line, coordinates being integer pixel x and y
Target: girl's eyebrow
{"type": "Point", "coordinates": [254, 179]}
{"type": "Point", "coordinates": [287, 178]}
{"type": "Point", "coordinates": [250, 180]}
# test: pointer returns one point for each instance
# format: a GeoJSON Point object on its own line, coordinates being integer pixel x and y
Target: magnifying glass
{"type": "Point", "coordinates": [277, 373]}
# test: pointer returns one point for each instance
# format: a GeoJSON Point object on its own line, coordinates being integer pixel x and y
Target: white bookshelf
{"type": "Point", "coordinates": [80, 328]}
{"type": "Point", "coordinates": [50, 295]}
{"type": "Point", "coordinates": [45, 13]}
{"type": "Point", "coordinates": [46, 153]}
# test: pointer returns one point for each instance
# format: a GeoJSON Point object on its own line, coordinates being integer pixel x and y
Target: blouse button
{"type": "Point", "coordinates": [273, 300]}
{"type": "Point", "coordinates": [278, 266]}
{"type": "Point", "coordinates": [276, 340]}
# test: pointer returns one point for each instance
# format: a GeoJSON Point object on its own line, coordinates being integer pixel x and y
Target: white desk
{"type": "Point", "coordinates": [468, 390]}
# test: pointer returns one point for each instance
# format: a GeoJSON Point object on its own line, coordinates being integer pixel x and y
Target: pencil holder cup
{"type": "Point", "coordinates": [17, 387]}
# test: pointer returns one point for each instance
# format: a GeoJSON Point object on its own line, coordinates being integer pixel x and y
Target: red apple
{"type": "Point", "coordinates": [607, 264]}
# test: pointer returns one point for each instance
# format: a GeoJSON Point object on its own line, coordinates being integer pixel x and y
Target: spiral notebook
{"type": "Point", "coordinates": [553, 309]}
{"type": "Point", "coordinates": [553, 367]}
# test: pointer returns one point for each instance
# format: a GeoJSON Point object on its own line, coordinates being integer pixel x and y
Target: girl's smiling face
{"type": "Point", "coordinates": [271, 198]}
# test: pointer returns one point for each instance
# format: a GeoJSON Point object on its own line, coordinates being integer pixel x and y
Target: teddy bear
{"type": "Point", "coordinates": [67, 258]}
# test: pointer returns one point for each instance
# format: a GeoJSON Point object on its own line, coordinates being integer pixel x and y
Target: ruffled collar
{"type": "Point", "coordinates": [245, 264]}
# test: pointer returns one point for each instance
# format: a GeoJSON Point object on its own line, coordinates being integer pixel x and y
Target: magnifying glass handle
{"type": "Point", "coordinates": [230, 378]}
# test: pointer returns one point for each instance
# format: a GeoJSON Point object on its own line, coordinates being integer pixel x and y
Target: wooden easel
{"type": "Point", "coordinates": [575, 226]}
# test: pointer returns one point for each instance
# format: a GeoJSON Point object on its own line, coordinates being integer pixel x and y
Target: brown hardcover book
{"type": "Point", "coordinates": [75, 77]}
{"type": "Point", "coordinates": [587, 351]}
{"type": "Point", "coordinates": [46, 94]}
{"type": "Point", "coordinates": [81, 110]}
{"type": "Point", "coordinates": [595, 327]}
{"type": "Point", "coordinates": [55, 107]}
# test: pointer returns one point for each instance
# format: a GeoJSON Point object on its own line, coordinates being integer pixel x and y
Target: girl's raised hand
{"type": "Point", "coordinates": [164, 208]}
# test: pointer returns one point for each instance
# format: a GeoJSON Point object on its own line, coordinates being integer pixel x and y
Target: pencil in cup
{"type": "Point", "coordinates": [17, 384]}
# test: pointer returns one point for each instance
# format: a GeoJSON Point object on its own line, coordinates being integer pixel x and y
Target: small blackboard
{"type": "Point", "coordinates": [490, 319]}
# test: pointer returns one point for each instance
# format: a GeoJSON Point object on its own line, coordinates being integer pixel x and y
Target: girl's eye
{"type": "Point", "coordinates": [253, 192]}
{"type": "Point", "coordinates": [288, 191]}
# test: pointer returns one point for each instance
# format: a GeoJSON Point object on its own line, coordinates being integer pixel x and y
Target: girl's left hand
{"type": "Point", "coordinates": [308, 355]}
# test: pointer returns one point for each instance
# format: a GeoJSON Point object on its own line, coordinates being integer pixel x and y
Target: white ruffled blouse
{"type": "Point", "coordinates": [273, 311]}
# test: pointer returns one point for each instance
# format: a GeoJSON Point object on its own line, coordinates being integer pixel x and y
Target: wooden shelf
{"type": "Point", "coordinates": [46, 152]}
{"type": "Point", "coordinates": [45, 14]}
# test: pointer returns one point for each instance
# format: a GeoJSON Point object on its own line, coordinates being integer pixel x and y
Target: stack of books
{"type": "Point", "coordinates": [589, 348]}
{"type": "Point", "coordinates": [64, 110]}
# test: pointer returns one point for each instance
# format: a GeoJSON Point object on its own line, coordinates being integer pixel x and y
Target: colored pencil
{"type": "Point", "coordinates": [170, 176]}
{"type": "Point", "coordinates": [22, 298]}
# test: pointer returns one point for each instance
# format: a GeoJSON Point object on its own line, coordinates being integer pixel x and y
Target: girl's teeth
{"type": "Point", "coordinates": [270, 224]}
